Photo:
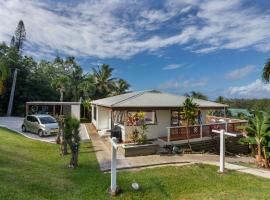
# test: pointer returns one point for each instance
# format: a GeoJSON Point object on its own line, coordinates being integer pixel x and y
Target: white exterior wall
{"type": "Point", "coordinates": [103, 117]}
{"type": "Point", "coordinates": [76, 111]}
{"type": "Point", "coordinates": [154, 131]}
{"type": "Point", "coordinates": [204, 113]}
{"type": "Point", "coordinates": [93, 120]}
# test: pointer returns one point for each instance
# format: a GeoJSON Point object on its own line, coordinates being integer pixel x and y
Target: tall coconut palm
{"type": "Point", "coordinates": [103, 80]}
{"type": "Point", "coordinates": [76, 77]}
{"type": "Point", "coordinates": [266, 71]}
{"type": "Point", "coordinates": [86, 106]}
{"type": "Point", "coordinates": [87, 87]}
{"type": "Point", "coordinates": [189, 112]}
{"type": "Point", "coordinates": [121, 87]}
{"type": "Point", "coordinates": [258, 132]}
{"type": "Point", "coordinates": [60, 84]}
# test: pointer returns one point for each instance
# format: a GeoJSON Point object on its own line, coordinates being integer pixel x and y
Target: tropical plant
{"type": "Point", "coordinates": [189, 112]}
{"type": "Point", "coordinates": [86, 106]}
{"type": "Point", "coordinates": [138, 119]}
{"type": "Point", "coordinates": [60, 84]}
{"type": "Point", "coordinates": [121, 87]}
{"type": "Point", "coordinates": [71, 134]}
{"type": "Point", "coordinates": [87, 87]}
{"type": "Point", "coordinates": [258, 132]}
{"type": "Point", "coordinates": [196, 95]}
{"type": "Point", "coordinates": [220, 99]}
{"type": "Point", "coordinates": [103, 80]}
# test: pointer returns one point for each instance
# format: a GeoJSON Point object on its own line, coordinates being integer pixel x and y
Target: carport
{"type": "Point", "coordinates": [54, 108]}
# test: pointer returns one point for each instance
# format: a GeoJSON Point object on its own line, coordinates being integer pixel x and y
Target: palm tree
{"type": "Point", "coordinates": [266, 71]}
{"type": "Point", "coordinates": [76, 77]}
{"type": "Point", "coordinates": [103, 80]}
{"type": "Point", "coordinates": [121, 87]}
{"type": "Point", "coordinates": [60, 84]}
{"type": "Point", "coordinates": [87, 87]}
{"type": "Point", "coordinates": [198, 95]}
{"type": "Point", "coordinates": [189, 112]}
{"type": "Point", "coordinates": [86, 106]}
{"type": "Point", "coordinates": [72, 130]}
{"type": "Point", "coordinates": [258, 132]}
{"type": "Point", "coordinates": [220, 99]}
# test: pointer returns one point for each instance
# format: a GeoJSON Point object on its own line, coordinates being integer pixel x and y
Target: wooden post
{"type": "Point", "coordinates": [222, 152]}
{"type": "Point", "coordinates": [222, 148]}
{"type": "Point", "coordinates": [169, 135]}
{"type": "Point", "coordinates": [201, 131]}
{"type": "Point", "coordinates": [114, 190]}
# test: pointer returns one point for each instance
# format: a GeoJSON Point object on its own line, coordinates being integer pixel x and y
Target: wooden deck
{"type": "Point", "coordinates": [200, 131]}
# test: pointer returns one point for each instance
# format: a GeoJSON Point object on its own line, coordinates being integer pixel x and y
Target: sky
{"type": "Point", "coordinates": [218, 47]}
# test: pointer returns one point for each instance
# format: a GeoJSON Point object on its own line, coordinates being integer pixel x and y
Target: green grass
{"type": "Point", "coordinates": [34, 170]}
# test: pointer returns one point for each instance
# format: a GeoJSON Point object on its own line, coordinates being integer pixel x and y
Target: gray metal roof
{"type": "Point", "coordinates": [151, 99]}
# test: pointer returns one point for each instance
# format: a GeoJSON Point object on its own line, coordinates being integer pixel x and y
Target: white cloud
{"type": "Point", "coordinates": [121, 29]}
{"type": "Point", "coordinates": [256, 89]}
{"type": "Point", "coordinates": [173, 66]}
{"type": "Point", "coordinates": [240, 72]}
{"type": "Point", "coordinates": [178, 84]}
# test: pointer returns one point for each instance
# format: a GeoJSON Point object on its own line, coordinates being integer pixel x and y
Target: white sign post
{"type": "Point", "coordinates": [113, 190]}
{"type": "Point", "coordinates": [222, 147]}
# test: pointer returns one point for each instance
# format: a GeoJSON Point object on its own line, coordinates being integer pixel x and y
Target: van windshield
{"type": "Point", "coordinates": [47, 120]}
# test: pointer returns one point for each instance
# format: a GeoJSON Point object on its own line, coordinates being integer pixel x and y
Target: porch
{"type": "Point", "coordinates": [178, 134]}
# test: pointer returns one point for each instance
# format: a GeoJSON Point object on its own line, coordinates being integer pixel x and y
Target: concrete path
{"type": "Point", "coordinates": [15, 123]}
{"type": "Point", "coordinates": [103, 154]}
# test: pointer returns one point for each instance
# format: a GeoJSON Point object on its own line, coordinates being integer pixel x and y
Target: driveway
{"type": "Point", "coordinates": [15, 123]}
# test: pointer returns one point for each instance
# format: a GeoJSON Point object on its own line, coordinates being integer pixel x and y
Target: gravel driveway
{"type": "Point", "coordinates": [15, 123]}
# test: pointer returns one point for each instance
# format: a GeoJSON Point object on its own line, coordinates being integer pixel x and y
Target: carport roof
{"type": "Point", "coordinates": [51, 103]}
{"type": "Point", "coordinates": [151, 99]}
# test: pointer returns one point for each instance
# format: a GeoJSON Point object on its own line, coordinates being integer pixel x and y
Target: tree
{"type": "Point", "coordinates": [189, 112]}
{"type": "Point", "coordinates": [87, 87]}
{"type": "Point", "coordinates": [258, 132]}
{"type": "Point", "coordinates": [220, 99]}
{"type": "Point", "coordinates": [266, 72]}
{"type": "Point", "coordinates": [60, 84]}
{"type": "Point", "coordinates": [103, 80]}
{"type": "Point", "coordinates": [197, 95]}
{"type": "Point", "coordinates": [86, 106]}
{"type": "Point", "coordinates": [20, 35]}
{"type": "Point", "coordinates": [121, 87]}
{"type": "Point", "coordinates": [72, 130]}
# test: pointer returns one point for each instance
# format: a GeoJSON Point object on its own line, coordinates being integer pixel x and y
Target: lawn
{"type": "Point", "coordinates": [34, 170]}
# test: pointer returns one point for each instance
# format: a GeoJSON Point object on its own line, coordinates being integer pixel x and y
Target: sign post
{"type": "Point", "coordinates": [222, 147]}
{"type": "Point", "coordinates": [114, 190]}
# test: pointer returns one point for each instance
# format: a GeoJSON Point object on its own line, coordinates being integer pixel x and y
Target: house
{"type": "Point", "coordinates": [162, 111]}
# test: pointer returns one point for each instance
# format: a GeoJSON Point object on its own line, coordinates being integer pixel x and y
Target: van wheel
{"type": "Point", "coordinates": [23, 128]}
{"type": "Point", "coordinates": [40, 133]}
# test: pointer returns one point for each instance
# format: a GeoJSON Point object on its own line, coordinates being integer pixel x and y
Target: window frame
{"type": "Point", "coordinates": [155, 116]}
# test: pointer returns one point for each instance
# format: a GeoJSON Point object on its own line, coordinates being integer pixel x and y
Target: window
{"type": "Point", "coordinates": [95, 113]}
{"type": "Point", "coordinates": [149, 118]}
{"type": "Point", "coordinates": [119, 117]}
{"type": "Point", "coordinates": [47, 120]}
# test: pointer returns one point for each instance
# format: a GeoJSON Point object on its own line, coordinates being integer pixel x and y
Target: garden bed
{"type": "Point", "coordinates": [139, 149]}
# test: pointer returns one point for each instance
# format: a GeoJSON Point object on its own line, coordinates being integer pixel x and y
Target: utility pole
{"type": "Point", "coordinates": [10, 103]}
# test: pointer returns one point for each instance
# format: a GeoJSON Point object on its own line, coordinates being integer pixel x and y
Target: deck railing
{"type": "Point", "coordinates": [201, 131]}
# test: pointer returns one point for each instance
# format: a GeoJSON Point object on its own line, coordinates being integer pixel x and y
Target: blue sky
{"type": "Point", "coordinates": [216, 47]}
